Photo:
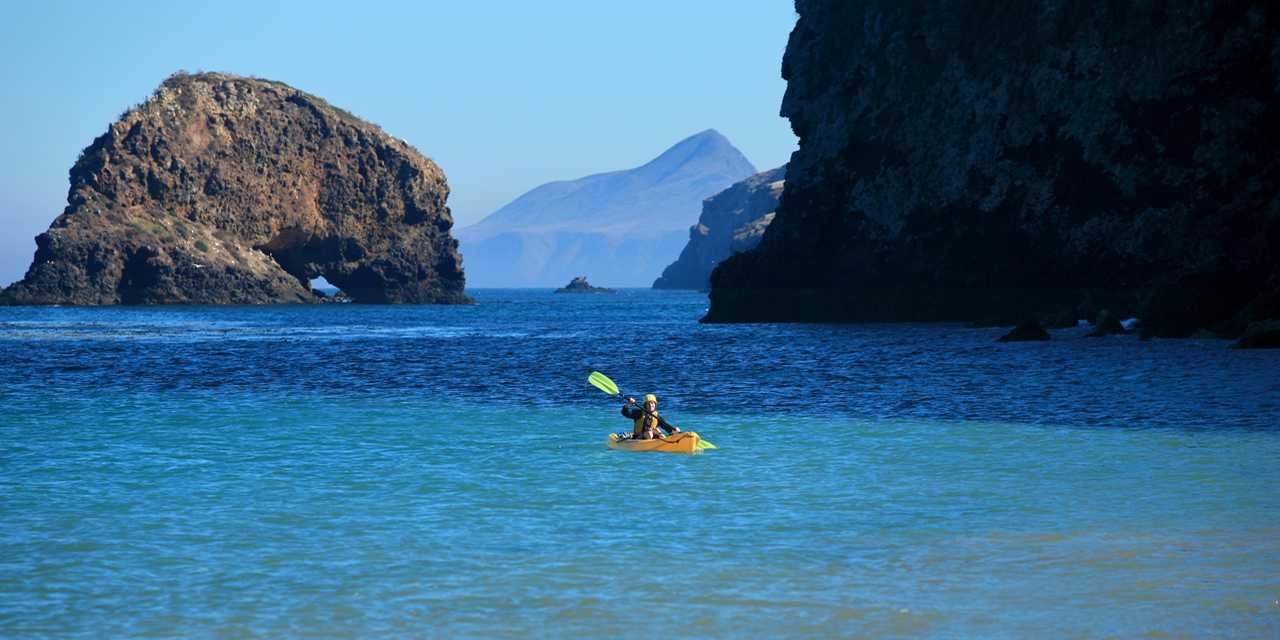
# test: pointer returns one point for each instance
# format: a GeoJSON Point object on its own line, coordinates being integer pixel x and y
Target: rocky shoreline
{"type": "Point", "coordinates": [1034, 162]}
{"type": "Point", "coordinates": [732, 221]}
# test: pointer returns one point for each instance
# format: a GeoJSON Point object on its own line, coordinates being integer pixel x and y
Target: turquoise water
{"type": "Point", "coordinates": [356, 471]}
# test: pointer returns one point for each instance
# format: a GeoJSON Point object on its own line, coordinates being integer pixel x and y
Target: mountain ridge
{"type": "Point", "coordinates": [565, 228]}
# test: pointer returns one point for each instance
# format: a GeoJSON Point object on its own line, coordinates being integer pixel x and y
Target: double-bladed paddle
{"type": "Point", "coordinates": [603, 383]}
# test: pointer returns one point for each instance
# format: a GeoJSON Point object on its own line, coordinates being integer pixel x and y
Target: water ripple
{"type": "Point", "coordinates": [438, 471]}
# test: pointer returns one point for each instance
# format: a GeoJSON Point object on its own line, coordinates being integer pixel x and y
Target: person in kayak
{"type": "Point", "coordinates": [648, 424]}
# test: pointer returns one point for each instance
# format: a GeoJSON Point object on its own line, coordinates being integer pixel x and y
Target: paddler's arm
{"type": "Point", "coordinates": [630, 411]}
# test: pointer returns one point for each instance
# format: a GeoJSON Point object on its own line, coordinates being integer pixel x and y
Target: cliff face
{"type": "Point", "coordinates": [621, 227]}
{"type": "Point", "coordinates": [733, 220]}
{"type": "Point", "coordinates": [221, 189]}
{"type": "Point", "coordinates": [957, 163]}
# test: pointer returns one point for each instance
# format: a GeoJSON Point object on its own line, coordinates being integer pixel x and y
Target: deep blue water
{"type": "Point", "coordinates": [364, 471]}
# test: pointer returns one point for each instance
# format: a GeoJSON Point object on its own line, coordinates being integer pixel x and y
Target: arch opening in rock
{"type": "Point", "coordinates": [318, 283]}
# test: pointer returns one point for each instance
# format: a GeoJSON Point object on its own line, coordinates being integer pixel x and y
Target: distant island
{"type": "Point", "coordinates": [222, 189]}
{"type": "Point", "coordinates": [580, 285]}
{"type": "Point", "coordinates": [621, 226]}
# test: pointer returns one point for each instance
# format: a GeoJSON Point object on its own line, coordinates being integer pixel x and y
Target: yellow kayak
{"type": "Point", "coordinates": [683, 442]}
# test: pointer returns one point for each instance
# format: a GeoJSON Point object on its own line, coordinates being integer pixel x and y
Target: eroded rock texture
{"type": "Point", "coordinates": [962, 162]}
{"type": "Point", "coordinates": [733, 220]}
{"type": "Point", "coordinates": [221, 189]}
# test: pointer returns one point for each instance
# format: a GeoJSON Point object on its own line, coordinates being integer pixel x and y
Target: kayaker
{"type": "Point", "coordinates": [648, 424]}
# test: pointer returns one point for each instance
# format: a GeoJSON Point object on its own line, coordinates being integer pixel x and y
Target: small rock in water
{"type": "Point", "coordinates": [1027, 331]}
{"type": "Point", "coordinates": [1107, 325]}
{"type": "Point", "coordinates": [1260, 335]}
{"type": "Point", "coordinates": [1062, 320]}
{"type": "Point", "coordinates": [580, 285]}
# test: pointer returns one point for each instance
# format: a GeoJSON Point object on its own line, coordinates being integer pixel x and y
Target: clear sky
{"type": "Point", "coordinates": [504, 95]}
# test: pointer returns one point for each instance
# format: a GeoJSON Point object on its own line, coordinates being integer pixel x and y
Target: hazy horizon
{"type": "Point", "coordinates": [502, 104]}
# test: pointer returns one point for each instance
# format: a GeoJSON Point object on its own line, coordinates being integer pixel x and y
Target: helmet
{"type": "Point", "coordinates": [649, 397]}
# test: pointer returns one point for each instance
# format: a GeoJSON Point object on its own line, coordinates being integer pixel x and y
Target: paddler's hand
{"type": "Point", "coordinates": [631, 400]}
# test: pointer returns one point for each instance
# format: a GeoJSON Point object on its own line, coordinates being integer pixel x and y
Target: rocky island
{"type": "Point", "coordinates": [1029, 162]}
{"type": "Point", "coordinates": [732, 221]}
{"type": "Point", "coordinates": [580, 285]}
{"type": "Point", "coordinates": [221, 189]}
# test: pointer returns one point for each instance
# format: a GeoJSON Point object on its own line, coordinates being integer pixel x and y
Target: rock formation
{"type": "Point", "coordinates": [222, 189]}
{"type": "Point", "coordinates": [1028, 331]}
{"type": "Point", "coordinates": [732, 221]}
{"type": "Point", "coordinates": [580, 285]}
{"type": "Point", "coordinates": [622, 226]}
{"type": "Point", "coordinates": [1260, 335]}
{"type": "Point", "coordinates": [1107, 325]}
{"type": "Point", "coordinates": [956, 163]}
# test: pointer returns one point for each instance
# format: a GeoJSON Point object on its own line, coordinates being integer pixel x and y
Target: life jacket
{"type": "Point", "coordinates": [645, 422]}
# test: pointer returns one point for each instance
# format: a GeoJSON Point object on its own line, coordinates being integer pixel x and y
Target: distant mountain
{"type": "Point", "coordinates": [618, 228]}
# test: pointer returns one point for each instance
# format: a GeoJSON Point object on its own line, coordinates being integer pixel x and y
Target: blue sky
{"type": "Point", "coordinates": [504, 95]}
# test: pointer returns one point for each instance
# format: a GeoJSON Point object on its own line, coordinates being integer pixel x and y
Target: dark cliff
{"type": "Point", "coordinates": [961, 163]}
{"type": "Point", "coordinates": [733, 220]}
{"type": "Point", "coordinates": [221, 189]}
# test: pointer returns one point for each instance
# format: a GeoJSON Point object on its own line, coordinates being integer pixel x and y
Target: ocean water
{"type": "Point", "coordinates": [369, 471]}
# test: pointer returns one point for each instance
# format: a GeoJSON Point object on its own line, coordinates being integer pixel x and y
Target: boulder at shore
{"type": "Point", "coordinates": [221, 189]}
{"type": "Point", "coordinates": [733, 220]}
{"type": "Point", "coordinates": [1260, 335]}
{"type": "Point", "coordinates": [1107, 325]}
{"type": "Point", "coordinates": [1030, 330]}
{"type": "Point", "coordinates": [580, 285]}
{"type": "Point", "coordinates": [959, 163]}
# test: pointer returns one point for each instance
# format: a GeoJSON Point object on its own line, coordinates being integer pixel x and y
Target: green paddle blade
{"type": "Point", "coordinates": [703, 444]}
{"type": "Point", "coordinates": [603, 383]}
